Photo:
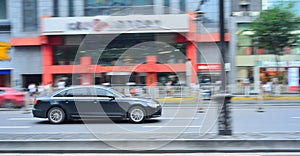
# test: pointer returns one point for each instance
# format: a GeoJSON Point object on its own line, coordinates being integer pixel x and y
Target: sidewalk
{"type": "Point", "coordinates": [149, 143]}
{"type": "Point", "coordinates": [237, 98]}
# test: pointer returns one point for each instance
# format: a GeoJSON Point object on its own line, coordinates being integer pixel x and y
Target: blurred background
{"type": "Point", "coordinates": [105, 42]}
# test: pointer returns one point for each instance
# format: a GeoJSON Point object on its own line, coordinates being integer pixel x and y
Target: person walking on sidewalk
{"type": "Point", "coordinates": [32, 89]}
{"type": "Point", "coordinates": [268, 88]}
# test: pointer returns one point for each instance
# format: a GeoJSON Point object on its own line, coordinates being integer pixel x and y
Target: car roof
{"type": "Point", "coordinates": [87, 86]}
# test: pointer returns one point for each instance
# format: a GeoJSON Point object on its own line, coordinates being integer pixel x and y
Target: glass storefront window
{"type": "Point", "coordinates": [208, 77]}
{"type": "Point", "coordinates": [280, 74]}
{"type": "Point", "coordinates": [108, 7]}
{"type": "Point", "coordinates": [132, 49]}
{"type": "Point", "coordinates": [30, 20]}
{"type": "Point", "coordinates": [3, 10]}
{"type": "Point", "coordinates": [245, 74]}
{"type": "Point", "coordinates": [64, 55]}
{"type": "Point", "coordinates": [91, 3]}
{"type": "Point", "coordinates": [124, 50]}
{"type": "Point", "coordinates": [244, 45]}
{"type": "Point", "coordinates": [172, 79]}
{"type": "Point", "coordinates": [69, 79]}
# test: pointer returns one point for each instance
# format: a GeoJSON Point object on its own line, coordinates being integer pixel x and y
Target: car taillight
{"type": "Point", "coordinates": [34, 101]}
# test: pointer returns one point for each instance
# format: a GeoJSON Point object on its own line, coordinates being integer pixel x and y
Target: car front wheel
{"type": "Point", "coordinates": [137, 114]}
{"type": "Point", "coordinates": [56, 115]}
{"type": "Point", "coordinates": [9, 104]}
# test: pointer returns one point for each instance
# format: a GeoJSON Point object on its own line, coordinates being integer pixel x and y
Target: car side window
{"type": "Point", "coordinates": [78, 92]}
{"type": "Point", "coordinates": [102, 92]}
{"type": "Point", "coordinates": [61, 94]}
{"type": "Point", "coordinates": [2, 91]}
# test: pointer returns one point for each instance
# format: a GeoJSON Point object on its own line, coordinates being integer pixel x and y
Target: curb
{"type": "Point", "coordinates": [170, 99]}
{"type": "Point", "coordinates": [176, 146]}
{"type": "Point", "coordinates": [148, 143]}
{"type": "Point", "coordinates": [267, 98]}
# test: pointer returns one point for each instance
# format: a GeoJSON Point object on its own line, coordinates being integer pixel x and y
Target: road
{"type": "Point", "coordinates": [159, 154]}
{"type": "Point", "coordinates": [176, 119]}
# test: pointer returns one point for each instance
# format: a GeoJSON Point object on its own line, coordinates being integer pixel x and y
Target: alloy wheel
{"type": "Point", "coordinates": [56, 115]}
{"type": "Point", "coordinates": [137, 115]}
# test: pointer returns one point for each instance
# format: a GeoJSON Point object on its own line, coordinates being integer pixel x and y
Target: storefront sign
{"type": "Point", "coordinates": [279, 63]}
{"type": "Point", "coordinates": [98, 25]}
{"type": "Point", "coordinates": [208, 67]}
{"type": "Point", "coordinates": [293, 79]}
{"type": "Point", "coordinates": [115, 24]}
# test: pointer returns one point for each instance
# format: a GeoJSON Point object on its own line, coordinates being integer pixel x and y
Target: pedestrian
{"type": "Point", "coordinates": [169, 88]}
{"type": "Point", "coordinates": [267, 88]}
{"type": "Point", "coordinates": [32, 89]}
{"type": "Point", "coordinates": [132, 91]}
{"type": "Point", "coordinates": [40, 89]}
{"type": "Point", "coordinates": [48, 87]}
{"type": "Point", "coordinates": [61, 84]}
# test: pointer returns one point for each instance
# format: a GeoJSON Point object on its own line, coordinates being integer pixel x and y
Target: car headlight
{"type": "Point", "coordinates": [153, 104]}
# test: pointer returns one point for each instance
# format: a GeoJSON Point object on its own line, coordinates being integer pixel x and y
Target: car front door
{"type": "Point", "coordinates": [108, 103]}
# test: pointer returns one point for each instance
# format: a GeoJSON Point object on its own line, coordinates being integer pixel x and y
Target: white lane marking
{"type": "Point", "coordinates": [14, 127]}
{"type": "Point", "coordinates": [177, 118]}
{"type": "Point", "coordinates": [172, 126]}
{"type": "Point", "coordinates": [25, 119]}
{"type": "Point", "coordinates": [296, 117]}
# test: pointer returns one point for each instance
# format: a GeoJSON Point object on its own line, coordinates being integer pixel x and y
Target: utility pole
{"type": "Point", "coordinates": [222, 44]}
{"type": "Point", "coordinates": [223, 99]}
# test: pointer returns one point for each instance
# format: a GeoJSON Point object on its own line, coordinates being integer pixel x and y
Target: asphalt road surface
{"type": "Point", "coordinates": [176, 119]}
{"type": "Point", "coordinates": [159, 154]}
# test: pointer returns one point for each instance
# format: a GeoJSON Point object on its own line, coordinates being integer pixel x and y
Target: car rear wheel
{"type": "Point", "coordinates": [56, 115]}
{"type": "Point", "coordinates": [137, 114]}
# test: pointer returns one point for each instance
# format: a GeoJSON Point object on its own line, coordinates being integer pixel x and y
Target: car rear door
{"type": "Point", "coordinates": [85, 103]}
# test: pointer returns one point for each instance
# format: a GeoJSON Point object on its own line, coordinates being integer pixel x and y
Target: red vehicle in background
{"type": "Point", "coordinates": [10, 98]}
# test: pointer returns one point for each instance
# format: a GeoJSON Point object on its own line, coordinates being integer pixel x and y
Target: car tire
{"type": "Point", "coordinates": [9, 104]}
{"type": "Point", "coordinates": [137, 114]}
{"type": "Point", "coordinates": [56, 115]}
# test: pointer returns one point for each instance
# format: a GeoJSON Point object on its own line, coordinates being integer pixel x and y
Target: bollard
{"type": "Point", "coordinates": [200, 101]}
{"type": "Point", "coordinates": [260, 108]}
{"type": "Point", "coordinates": [260, 101]}
{"type": "Point", "coordinates": [28, 100]}
{"type": "Point", "coordinates": [224, 118]}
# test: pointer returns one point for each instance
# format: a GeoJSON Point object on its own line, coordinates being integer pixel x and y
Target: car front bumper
{"type": "Point", "coordinates": [154, 112]}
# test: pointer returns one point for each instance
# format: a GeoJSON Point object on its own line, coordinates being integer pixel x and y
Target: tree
{"type": "Point", "coordinates": [4, 47]}
{"type": "Point", "coordinates": [274, 29]}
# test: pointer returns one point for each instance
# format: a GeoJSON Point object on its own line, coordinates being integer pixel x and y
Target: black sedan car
{"type": "Point", "coordinates": [93, 102]}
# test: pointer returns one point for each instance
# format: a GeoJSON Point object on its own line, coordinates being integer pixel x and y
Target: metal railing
{"type": "Point", "coordinates": [248, 90]}
{"type": "Point", "coordinates": [189, 92]}
{"type": "Point", "coordinates": [158, 92]}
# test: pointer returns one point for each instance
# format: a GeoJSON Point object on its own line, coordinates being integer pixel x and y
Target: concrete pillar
{"type": "Point", "coordinates": [174, 7]}
{"type": "Point", "coordinates": [256, 79]}
{"type": "Point", "coordinates": [47, 62]}
{"type": "Point", "coordinates": [158, 7]}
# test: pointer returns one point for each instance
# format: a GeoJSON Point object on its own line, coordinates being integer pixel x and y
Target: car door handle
{"type": "Point", "coordinates": [67, 101]}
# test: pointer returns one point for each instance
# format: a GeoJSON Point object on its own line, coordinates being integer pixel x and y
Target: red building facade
{"type": "Point", "coordinates": [147, 50]}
